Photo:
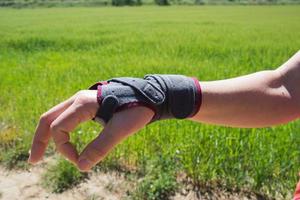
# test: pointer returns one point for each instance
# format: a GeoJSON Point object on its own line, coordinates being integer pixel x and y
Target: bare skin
{"type": "Point", "coordinates": [261, 99]}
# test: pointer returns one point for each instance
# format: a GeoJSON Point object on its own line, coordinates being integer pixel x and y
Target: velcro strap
{"type": "Point", "coordinates": [181, 93]}
{"type": "Point", "coordinates": [145, 88]}
{"type": "Point", "coordinates": [108, 107]}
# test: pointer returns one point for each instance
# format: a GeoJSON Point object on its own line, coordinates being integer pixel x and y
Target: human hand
{"type": "Point", "coordinates": [152, 98]}
{"type": "Point", "coordinates": [63, 118]}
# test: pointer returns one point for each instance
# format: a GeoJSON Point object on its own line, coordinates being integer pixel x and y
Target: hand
{"type": "Point", "coordinates": [60, 120]}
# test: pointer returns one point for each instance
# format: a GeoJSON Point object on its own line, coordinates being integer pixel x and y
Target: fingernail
{"type": "Point", "coordinates": [84, 165]}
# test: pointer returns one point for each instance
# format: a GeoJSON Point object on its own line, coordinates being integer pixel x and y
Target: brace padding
{"type": "Point", "coordinates": [169, 96]}
{"type": "Point", "coordinates": [181, 95]}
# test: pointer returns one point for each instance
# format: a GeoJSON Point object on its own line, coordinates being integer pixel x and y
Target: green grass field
{"type": "Point", "coordinates": [46, 55]}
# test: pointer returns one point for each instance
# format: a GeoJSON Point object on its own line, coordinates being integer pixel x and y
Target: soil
{"type": "Point", "coordinates": [26, 184]}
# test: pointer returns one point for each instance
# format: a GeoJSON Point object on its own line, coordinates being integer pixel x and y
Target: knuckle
{"type": "Point", "coordinates": [54, 127]}
{"type": "Point", "coordinates": [86, 105]}
{"type": "Point", "coordinates": [80, 93]}
{"type": "Point", "coordinates": [45, 118]}
{"type": "Point", "coordinates": [58, 134]}
{"type": "Point", "coordinates": [81, 99]}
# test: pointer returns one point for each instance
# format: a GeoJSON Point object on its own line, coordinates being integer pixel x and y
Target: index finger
{"type": "Point", "coordinates": [60, 128]}
{"type": "Point", "coordinates": [42, 133]}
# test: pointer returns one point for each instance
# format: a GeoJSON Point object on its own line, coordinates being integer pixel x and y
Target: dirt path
{"type": "Point", "coordinates": [24, 185]}
{"type": "Point", "coordinates": [19, 185]}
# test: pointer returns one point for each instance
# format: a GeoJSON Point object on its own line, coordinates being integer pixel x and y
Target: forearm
{"type": "Point", "coordinates": [256, 100]}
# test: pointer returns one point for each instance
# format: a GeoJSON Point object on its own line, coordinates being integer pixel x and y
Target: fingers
{"type": "Point", "coordinates": [117, 129]}
{"type": "Point", "coordinates": [42, 133]}
{"type": "Point", "coordinates": [65, 123]}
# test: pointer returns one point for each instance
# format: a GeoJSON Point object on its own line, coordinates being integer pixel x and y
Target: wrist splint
{"type": "Point", "coordinates": [169, 96]}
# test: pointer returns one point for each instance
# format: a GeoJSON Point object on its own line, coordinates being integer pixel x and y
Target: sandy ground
{"type": "Point", "coordinates": [20, 184]}
{"type": "Point", "coordinates": [26, 184]}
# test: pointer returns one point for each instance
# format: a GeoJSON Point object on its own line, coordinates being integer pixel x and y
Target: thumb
{"type": "Point", "coordinates": [121, 125]}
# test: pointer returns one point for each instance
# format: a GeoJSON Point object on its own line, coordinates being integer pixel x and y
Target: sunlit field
{"type": "Point", "coordinates": [46, 55]}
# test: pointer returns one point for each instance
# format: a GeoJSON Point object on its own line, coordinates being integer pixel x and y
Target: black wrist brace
{"type": "Point", "coordinates": [169, 96]}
